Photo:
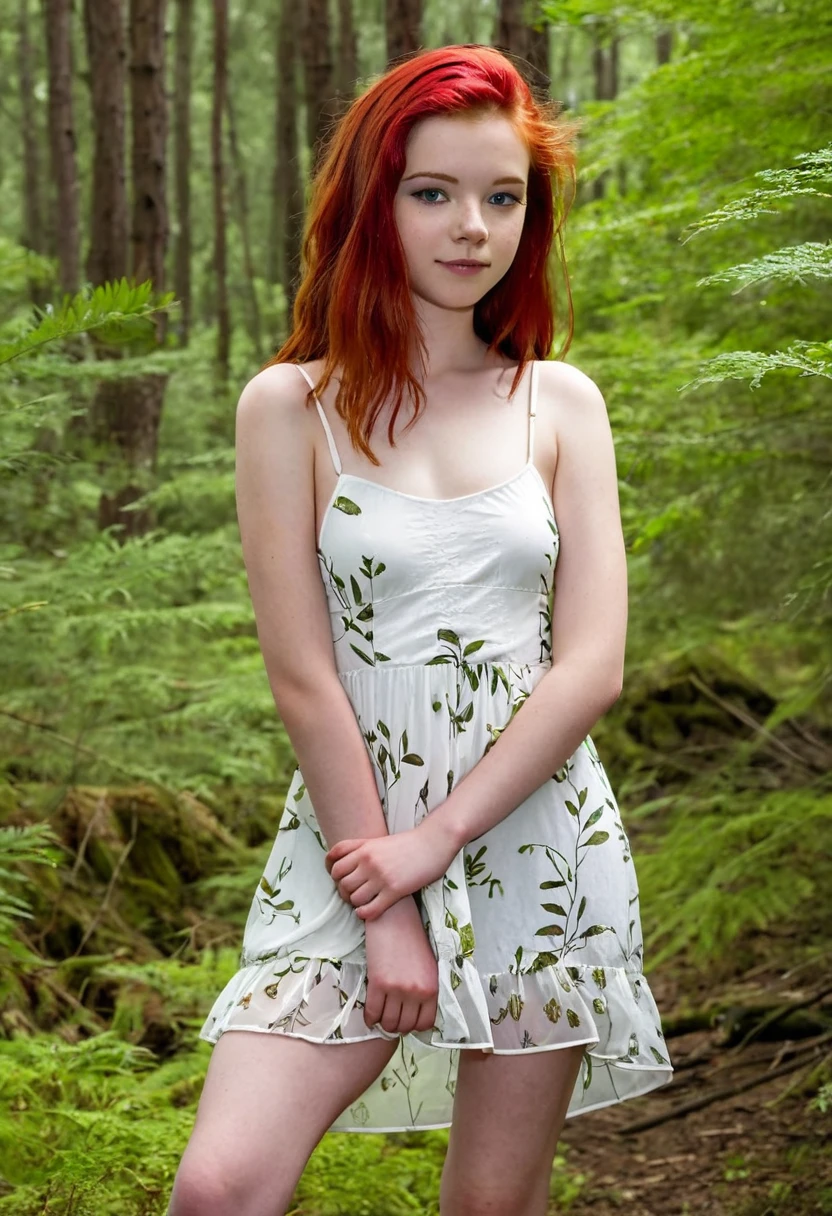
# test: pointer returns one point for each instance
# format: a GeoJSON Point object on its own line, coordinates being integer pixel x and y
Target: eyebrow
{"type": "Point", "coordinates": [444, 177]}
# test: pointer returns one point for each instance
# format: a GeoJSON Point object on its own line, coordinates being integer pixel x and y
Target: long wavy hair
{"type": "Point", "coordinates": [353, 307]}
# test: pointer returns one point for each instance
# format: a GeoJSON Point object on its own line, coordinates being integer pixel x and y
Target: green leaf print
{"type": "Point", "coordinates": [346, 505]}
{"type": "Point", "coordinates": [572, 1018]}
{"type": "Point", "coordinates": [362, 655]}
{"type": "Point", "coordinates": [356, 590]}
{"type": "Point", "coordinates": [552, 1009]}
{"type": "Point", "coordinates": [471, 647]}
{"type": "Point", "coordinates": [600, 977]}
{"type": "Point", "coordinates": [596, 838]}
{"type": "Point", "coordinates": [544, 959]}
{"type": "Point", "coordinates": [466, 939]}
{"type": "Point", "coordinates": [657, 1056]}
{"type": "Point", "coordinates": [412, 758]}
{"type": "Point", "coordinates": [594, 817]}
{"type": "Point", "coordinates": [594, 930]}
{"type": "Point", "coordinates": [581, 907]}
{"type": "Point", "coordinates": [549, 931]}
{"type": "Point", "coordinates": [556, 908]}
{"type": "Point", "coordinates": [448, 635]}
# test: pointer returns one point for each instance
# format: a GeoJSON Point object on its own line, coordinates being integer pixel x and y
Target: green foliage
{"type": "Point", "coordinates": [138, 660]}
{"type": "Point", "coordinates": [116, 311]}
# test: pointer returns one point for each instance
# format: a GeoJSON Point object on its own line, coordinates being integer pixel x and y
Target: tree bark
{"type": "Point", "coordinates": [128, 411]}
{"type": "Point", "coordinates": [664, 46]}
{"type": "Point", "coordinates": [183, 245]}
{"type": "Point", "coordinates": [58, 16]}
{"type": "Point", "coordinates": [605, 73]}
{"type": "Point", "coordinates": [32, 232]}
{"type": "Point", "coordinates": [149, 235]}
{"type": "Point", "coordinates": [318, 75]}
{"type": "Point", "coordinates": [403, 27]}
{"type": "Point", "coordinates": [218, 174]}
{"type": "Point", "coordinates": [241, 196]}
{"type": "Point", "coordinates": [287, 192]}
{"type": "Point", "coordinates": [107, 57]}
{"type": "Point", "coordinates": [346, 62]}
{"type": "Point", "coordinates": [510, 28]}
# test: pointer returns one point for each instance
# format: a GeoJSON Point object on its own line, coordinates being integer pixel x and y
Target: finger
{"type": "Point", "coordinates": [375, 907]}
{"type": "Point", "coordinates": [356, 879]}
{"type": "Point", "coordinates": [410, 1016]}
{"type": "Point", "coordinates": [363, 894]}
{"type": "Point", "coordinates": [341, 848]}
{"type": "Point", "coordinates": [427, 1015]}
{"type": "Point", "coordinates": [373, 1005]}
{"type": "Point", "coordinates": [343, 867]}
{"type": "Point", "coordinates": [392, 1015]}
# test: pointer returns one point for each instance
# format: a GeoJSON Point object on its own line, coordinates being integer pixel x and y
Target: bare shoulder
{"type": "Point", "coordinates": [273, 402]}
{"type": "Point", "coordinates": [570, 394]}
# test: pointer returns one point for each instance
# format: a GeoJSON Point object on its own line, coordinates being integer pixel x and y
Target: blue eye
{"type": "Point", "coordinates": [428, 190]}
{"type": "Point", "coordinates": [504, 194]}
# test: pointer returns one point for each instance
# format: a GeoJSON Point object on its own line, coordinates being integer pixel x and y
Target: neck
{"type": "Point", "coordinates": [450, 342]}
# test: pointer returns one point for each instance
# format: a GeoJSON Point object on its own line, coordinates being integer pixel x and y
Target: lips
{"type": "Point", "coordinates": [465, 262]}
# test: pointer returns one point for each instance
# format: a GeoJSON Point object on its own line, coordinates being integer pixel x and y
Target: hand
{"type": "Point", "coordinates": [375, 872]}
{"type": "Point", "coordinates": [402, 972]}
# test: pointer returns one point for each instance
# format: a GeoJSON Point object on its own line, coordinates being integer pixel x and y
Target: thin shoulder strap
{"type": "Point", "coordinates": [532, 409]}
{"type": "Point", "coordinates": [333, 451]}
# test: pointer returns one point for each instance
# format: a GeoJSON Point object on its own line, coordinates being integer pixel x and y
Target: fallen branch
{"type": "Point", "coordinates": [726, 1091]}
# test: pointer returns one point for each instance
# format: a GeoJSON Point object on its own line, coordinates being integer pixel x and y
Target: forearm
{"type": "Point", "coordinates": [538, 741]}
{"type": "Point", "coordinates": [332, 755]}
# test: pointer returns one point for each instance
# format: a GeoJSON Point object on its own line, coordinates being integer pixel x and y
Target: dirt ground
{"type": "Point", "coordinates": [760, 1152]}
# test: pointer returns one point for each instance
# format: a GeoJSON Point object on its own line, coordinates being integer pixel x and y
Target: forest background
{"type": "Point", "coordinates": [154, 162]}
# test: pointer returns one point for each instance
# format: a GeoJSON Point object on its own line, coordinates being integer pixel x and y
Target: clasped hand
{"type": "Point", "coordinates": [375, 872]}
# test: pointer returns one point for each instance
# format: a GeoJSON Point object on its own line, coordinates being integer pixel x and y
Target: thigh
{"type": "Point", "coordinates": [267, 1101]}
{"type": "Point", "coordinates": [508, 1114]}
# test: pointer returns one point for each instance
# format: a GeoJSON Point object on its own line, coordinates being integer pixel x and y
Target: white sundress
{"type": "Point", "coordinates": [441, 614]}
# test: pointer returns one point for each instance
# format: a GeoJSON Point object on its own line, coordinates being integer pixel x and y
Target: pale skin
{"type": "Point", "coordinates": [500, 1154]}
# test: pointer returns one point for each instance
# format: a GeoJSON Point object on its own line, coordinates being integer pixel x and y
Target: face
{"type": "Point", "coordinates": [461, 198]}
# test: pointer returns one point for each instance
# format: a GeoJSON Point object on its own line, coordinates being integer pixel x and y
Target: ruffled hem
{"type": "Point", "coordinates": [550, 1005]}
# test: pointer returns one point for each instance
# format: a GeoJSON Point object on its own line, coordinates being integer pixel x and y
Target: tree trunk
{"type": "Point", "coordinates": [537, 55]}
{"type": "Point", "coordinates": [107, 56]}
{"type": "Point", "coordinates": [218, 173]}
{"type": "Point", "coordinates": [129, 410]}
{"type": "Point", "coordinates": [57, 16]}
{"type": "Point", "coordinates": [318, 75]}
{"type": "Point", "coordinates": [605, 72]}
{"type": "Point", "coordinates": [149, 236]}
{"type": "Point", "coordinates": [241, 195]}
{"type": "Point", "coordinates": [403, 27]}
{"type": "Point", "coordinates": [287, 192]}
{"type": "Point", "coordinates": [664, 46]}
{"type": "Point", "coordinates": [32, 233]}
{"type": "Point", "coordinates": [182, 164]}
{"type": "Point", "coordinates": [346, 62]}
{"type": "Point", "coordinates": [510, 28]}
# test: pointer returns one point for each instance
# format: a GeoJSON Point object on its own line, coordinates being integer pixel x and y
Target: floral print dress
{"type": "Point", "coordinates": [441, 614]}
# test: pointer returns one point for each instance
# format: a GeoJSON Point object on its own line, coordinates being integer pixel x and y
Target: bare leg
{"type": "Point", "coordinates": [509, 1112]}
{"type": "Point", "coordinates": [267, 1101]}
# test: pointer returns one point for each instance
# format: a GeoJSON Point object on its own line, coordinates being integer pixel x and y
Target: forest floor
{"type": "Point", "coordinates": [764, 1151]}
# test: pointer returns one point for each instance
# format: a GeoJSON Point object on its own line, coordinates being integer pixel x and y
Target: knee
{"type": "Point", "coordinates": [478, 1200]}
{"type": "Point", "coordinates": [205, 1187]}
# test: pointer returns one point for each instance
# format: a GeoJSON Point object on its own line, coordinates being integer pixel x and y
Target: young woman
{"type": "Point", "coordinates": [447, 931]}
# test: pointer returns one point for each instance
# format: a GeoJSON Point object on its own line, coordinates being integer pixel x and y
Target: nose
{"type": "Point", "coordinates": [469, 224]}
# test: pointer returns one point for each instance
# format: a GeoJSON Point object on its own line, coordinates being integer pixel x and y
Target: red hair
{"type": "Point", "coordinates": [353, 306]}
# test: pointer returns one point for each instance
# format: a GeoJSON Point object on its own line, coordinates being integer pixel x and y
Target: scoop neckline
{"type": "Point", "coordinates": [435, 501]}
